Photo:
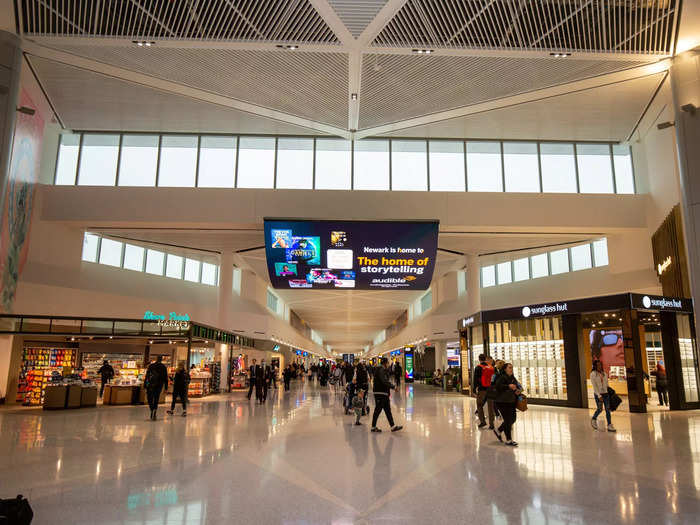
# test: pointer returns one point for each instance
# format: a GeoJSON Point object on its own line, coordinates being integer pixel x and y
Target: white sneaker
{"type": "Point", "coordinates": [594, 423]}
{"type": "Point", "coordinates": [611, 428]}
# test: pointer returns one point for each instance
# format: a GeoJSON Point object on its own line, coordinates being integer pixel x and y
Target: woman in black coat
{"type": "Point", "coordinates": [507, 393]}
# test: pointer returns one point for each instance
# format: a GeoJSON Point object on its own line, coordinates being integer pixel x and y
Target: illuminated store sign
{"type": "Point", "coordinates": [662, 267]}
{"type": "Point", "coordinates": [181, 322]}
{"type": "Point", "coordinates": [545, 309]}
{"type": "Point", "coordinates": [662, 303]}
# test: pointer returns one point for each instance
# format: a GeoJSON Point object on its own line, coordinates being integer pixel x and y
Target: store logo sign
{"type": "Point", "coordinates": [662, 267]}
{"type": "Point", "coordinates": [661, 303]}
{"type": "Point", "coordinates": [181, 322]}
{"type": "Point", "coordinates": [468, 321]}
{"type": "Point", "coordinates": [545, 309]}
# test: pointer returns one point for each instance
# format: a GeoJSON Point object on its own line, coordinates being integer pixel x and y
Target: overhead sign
{"type": "Point", "coordinates": [174, 320]}
{"type": "Point", "coordinates": [656, 302]}
{"type": "Point", "coordinates": [663, 266]}
{"type": "Point", "coordinates": [363, 255]}
{"type": "Point", "coordinates": [544, 309]}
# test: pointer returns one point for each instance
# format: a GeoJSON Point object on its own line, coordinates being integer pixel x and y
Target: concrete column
{"type": "Point", "coordinates": [11, 65]}
{"type": "Point", "coordinates": [685, 83]}
{"type": "Point", "coordinates": [225, 290]}
{"type": "Point", "coordinates": [473, 284]}
{"type": "Point", "coordinates": [225, 353]}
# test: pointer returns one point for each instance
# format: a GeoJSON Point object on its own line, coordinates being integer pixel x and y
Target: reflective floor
{"type": "Point", "coordinates": [299, 460]}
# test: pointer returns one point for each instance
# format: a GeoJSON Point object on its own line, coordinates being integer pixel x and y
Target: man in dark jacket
{"type": "Point", "coordinates": [106, 374]}
{"type": "Point", "coordinates": [397, 373]}
{"type": "Point", "coordinates": [253, 370]}
{"type": "Point", "coordinates": [482, 381]}
{"type": "Point", "coordinates": [156, 380]}
{"type": "Point", "coordinates": [361, 379]}
{"type": "Point", "coordinates": [262, 377]}
{"type": "Point", "coordinates": [181, 383]}
{"type": "Point", "coordinates": [382, 386]}
{"type": "Point", "coordinates": [349, 373]}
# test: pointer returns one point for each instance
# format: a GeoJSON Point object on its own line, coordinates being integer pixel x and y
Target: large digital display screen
{"type": "Point", "coordinates": [360, 255]}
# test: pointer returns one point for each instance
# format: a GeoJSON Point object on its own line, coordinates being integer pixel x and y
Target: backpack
{"type": "Point", "coordinates": [15, 511]}
{"type": "Point", "coordinates": [486, 375]}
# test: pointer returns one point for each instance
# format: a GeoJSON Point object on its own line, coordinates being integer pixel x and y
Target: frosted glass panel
{"type": "Point", "coordinates": [192, 270]}
{"type": "Point", "coordinates": [217, 162]}
{"type": "Point", "coordinates": [371, 165]}
{"type": "Point", "coordinates": [581, 257]}
{"type": "Point", "coordinates": [558, 168]}
{"type": "Point", "coordinates": [447, 165]}
{"type": "Point", "coordinates": [504, 274]}
{"type": "Point", "coordinates": [133, 257]}
{"type": "Point", "coordinates": [178, 161]}
{"type": "Point", "coordinates": [90, 242]}
{"type": "Point", "coordinates": [110, 252]}
{"type": "Point", "coordinates": [522, 171]}
{"type": "Point", "coordinates": [594, 168]}
{"type": "Point", "coordinates": [521, 269]}
{"type": "Point", "coordinates": [539, 265]}
{"type": "Point", "coordinates": [484, 169]}
{"type": "Point", "coordinates": [624, 176]}
{"type": "Point", "coordinates": [98, 160]}
{"type": "Point", "coordinates": [409, 165]}
{"type": "Point", "coordinates": [139, 160]}
{"type": "Point", "coordinates": [256, 162]}
{"type": "Point", "coordinates": [67, 162]}
{"type": "Point", "coordinates": [333, 164]}
{"type": "Point", "coordinates": [173, 267]}
{"type": "Point", "coordinates": [559, 261]}
{"type": "Point", "coordinates": [600, 252]}
{"type": "Point", "coordinates": [295, 163]}
{"type": "Point", "coordinates": [155, 262]}
{"type": "Point", "coordinates": [209, 274]}
{"type": "Point", "coordinates": [488, 276]}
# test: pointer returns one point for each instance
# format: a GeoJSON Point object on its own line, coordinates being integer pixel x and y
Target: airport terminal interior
{"type": "Point", "coordinates": [349, 262]}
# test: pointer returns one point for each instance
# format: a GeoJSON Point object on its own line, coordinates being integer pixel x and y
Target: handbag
{"type": "Point", "coordinates": [521, 403]}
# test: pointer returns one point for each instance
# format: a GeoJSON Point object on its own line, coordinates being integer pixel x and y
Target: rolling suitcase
{"type": "Point", "coordinates": [15, 511]}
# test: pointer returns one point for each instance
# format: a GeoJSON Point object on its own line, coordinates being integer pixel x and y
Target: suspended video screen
{"type": "Point", "coordinates": [360, 255]}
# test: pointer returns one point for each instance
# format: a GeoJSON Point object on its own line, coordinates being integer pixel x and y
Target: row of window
{"type": "Point", "coordinates": [216, 161]}
{"type": "Point", "coordinates": [98, 249]}
{"type": "Point", "coordinates": [572, 259]}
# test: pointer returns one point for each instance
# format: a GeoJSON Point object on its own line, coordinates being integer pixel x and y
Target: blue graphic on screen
{"type": "Point", "coordinates": [365, 255]}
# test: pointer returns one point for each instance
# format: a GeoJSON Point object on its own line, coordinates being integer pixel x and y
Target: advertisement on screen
{"type": "Point", "coordinates": [608, 347]}
{"type": "Point", "coordinates": [362, 255]}
{"type": "Point", "coordinates": [408, 356]}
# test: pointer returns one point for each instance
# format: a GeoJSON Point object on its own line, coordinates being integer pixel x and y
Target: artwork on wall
{"type": "Point", "coordinates": [19, 199]}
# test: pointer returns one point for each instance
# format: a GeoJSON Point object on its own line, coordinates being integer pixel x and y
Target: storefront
{"type": "Point", "coordinates": [48, 351]}
{"type": "Point", "coordinates": [552, 346]}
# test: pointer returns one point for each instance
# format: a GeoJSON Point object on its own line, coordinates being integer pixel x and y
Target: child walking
{"type": "Point", "coordinates": [358, 404]}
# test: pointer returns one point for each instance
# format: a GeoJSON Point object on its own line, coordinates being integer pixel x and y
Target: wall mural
{"type": "Point", "coordinates": [19, 201]}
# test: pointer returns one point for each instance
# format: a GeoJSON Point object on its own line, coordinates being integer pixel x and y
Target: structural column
{"type": "Point", "coordinates": [225, 290]}
{"type": "Point", "coordinates": [473, 284]}
{"type": "Point", "coordinates": [10, 67]}
{"type": "Point", "coordinates": [685, 82]}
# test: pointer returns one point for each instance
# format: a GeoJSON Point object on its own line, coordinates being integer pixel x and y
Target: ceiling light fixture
{"type": "Point", "coordinates": [353, 96]}
{"type": "Point", "coordinates": [423, 51]}
{"type": "Point", "coordinates": [665, 125]}
{"type": "Point", "coordinates": [142, 43]}
{"type": "Point", "coordinates": [291, 47]}
{"type": "Point", "coordinates": [560, 54]}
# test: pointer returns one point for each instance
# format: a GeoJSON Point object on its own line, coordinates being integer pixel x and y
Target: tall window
{"type": "Point", "coordinates": [624, 175]}
{"type": "Point", "coordinates": [98, 160]}
{"type": "Point", "coordinates": [90, 243]}
{"type": "Point", "coordinates": [600, 252]}
{"type": "Point", "coordinates": [504, 273]}
{"type": "Point", "coordinates": [371, 165]}
{"type": "Point", "coordinates": [174, 266]}
{"type": "Point", "coordinates": [333, 164]}
{"type": "Point", "coordinates": [484, 169]}
{"type": "Point", "coordinates": [558, 168]}
{"type": "Point", "coordinates": [559, 260]}
{"type": "Point", "coordinates": [139, 160]}
{"type": "Point", "coordinates": [581, 257]}
{"type": "Point", "coordinates": [594, 168]}
{"type": "Point", "coordinates": [488, 276]}
{"type": "Point", "coordinates": [133, 257]}
{"type": "Point", "coordinates": [155, 262]}
{"type": "Point", "coordinates": [447, 165]}
{"type": "Point", "coordinates": [521, 269]}
{"type": "Point", "coordinates": [217, 162]}
{"type": "Point", "coordinates": [540, 265]}
{"type": "Point", "coordinates": [295, 163]}
{"type": "Point", "coordinates": [522, 170]}
{"type": "Point", "coordinates": [67, 161]}
{"type": "Point", "coordinates": [111, 252]}
{"type": "Point", "coordinates": [178, 161]}
{"type": "Point", "coordinates": [409, 165]}
{"type": "Point", "coordinates": [256, 162]}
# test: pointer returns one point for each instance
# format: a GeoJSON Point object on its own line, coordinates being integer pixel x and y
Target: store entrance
{"type": "Point", "coordinates": [655, 375]}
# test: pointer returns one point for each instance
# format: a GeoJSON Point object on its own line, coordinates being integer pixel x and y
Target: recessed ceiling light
{"type": "Point", "coordinates": [561, 54]}
{"type": "Point", "coordinates": [353, 96]}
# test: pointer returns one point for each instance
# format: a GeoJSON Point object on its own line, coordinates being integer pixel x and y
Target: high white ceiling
{"type": "Point", "coordinates": [354, 69]}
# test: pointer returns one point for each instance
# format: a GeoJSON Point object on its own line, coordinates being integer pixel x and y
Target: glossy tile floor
{"type": "Point", "coordinates": [299, 460]}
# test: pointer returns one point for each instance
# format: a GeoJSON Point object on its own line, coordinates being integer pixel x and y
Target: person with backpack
{"type": "Point", "coordinates": [156, 380]}
{"type": "Point", "coordinates": [382, 385]}
{"type": "Point", "coordinates": [361, 379]}
{"type": "Point", "coordinates": [106, 374]}
{"type": "Point", "coordinates": [599, 380]}
{"type": "Point", "coordinates": [181, 383]}
{"type": "Point", "coordinates": [482, 381]}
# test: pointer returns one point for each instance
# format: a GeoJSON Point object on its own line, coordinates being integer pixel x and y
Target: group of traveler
{"type": "Point", "coordinates": [261, 377]}
{"type": "Point", "coordinates": [498, 389]}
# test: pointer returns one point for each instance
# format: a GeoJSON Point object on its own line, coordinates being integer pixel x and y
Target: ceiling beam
{"type": "Point", "coordinates": [532, 96]}
{"type": "Point", "coordinates": [380, 21]}
{"type": "Point", "coordinates": [324, 9]}
{"type": "Point", "coordinates": [175, 88]}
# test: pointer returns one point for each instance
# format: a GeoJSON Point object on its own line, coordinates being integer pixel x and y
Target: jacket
{"type": "Point", "coordinates": [504, 394]}
{"type": "Point", "coordinates": [156, 376]}
{"type": "Point", "coordinates": [106, 372]}
{"type": "Point", "coordinates": [491, 392]}
{"type": "Point", "coordinates": [381, 385]}
{"type": "Point", "coordinates": [599, 382]}
{"type": "Point", "coordinates": [181, 380]}
{"type": "Point", "coordinates": [361, 376]}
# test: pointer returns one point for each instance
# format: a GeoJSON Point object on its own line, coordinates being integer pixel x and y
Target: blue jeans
{"type": "Point", "coordinates": [600, 401]}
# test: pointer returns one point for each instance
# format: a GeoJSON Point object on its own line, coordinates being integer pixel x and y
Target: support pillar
{"type": "Point", "coordinates": [225, 290]}
{"type": "Point", "coordinates": [685, 83]}
{"type": "Point", "coordinates": [11, 64]}
{"type": "Point", "coordinates": [473, 284]}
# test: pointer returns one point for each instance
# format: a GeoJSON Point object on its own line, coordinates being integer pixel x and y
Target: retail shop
{"type": "Point", "coordinates": [55, 351]}
{"type": "Point", "coordinates": [552, 346]}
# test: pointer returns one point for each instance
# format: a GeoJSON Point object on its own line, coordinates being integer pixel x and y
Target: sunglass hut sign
{"type": "Point", "coordinates": [545, 309]}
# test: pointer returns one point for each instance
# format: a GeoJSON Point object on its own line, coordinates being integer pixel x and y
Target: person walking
{"type": "Point", "coordinates": [381, 387]}
{"type": "Point", "coordinates": [349, 372]}
{"type": "Point", "coordinates": [599, 380]}
{"type": "Point", "coordinates": [156, 380]}
{"type": "Point", "coordinates": [273, 376]}
{"type": "Point", "coordinates": [482, 381]}
{"type": "Point", "coordinates": [251, 377]}
{"type": "Point", "coordinates": [397, 373]}
{"type": "Point", "coordinates": [661, 383]}
{"type": "Point", "coordinates": [181, 383]}
{"type": "Point", "coordinates": [361, 379]}
{"type": "Point", "coordinates": [106, 374]}
{"type": "Point", "coordinates": [287, 376]}
{"type": "Point", "coordinates": [358, 405]}
{"type": "Point", "coordinates": [507, 390]}
{"type": "Point", "coordinates": [262, 376]}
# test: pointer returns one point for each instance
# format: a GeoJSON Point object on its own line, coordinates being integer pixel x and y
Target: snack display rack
{"type": "Point", "coordinates": [37, 365]}
{"type": "Point", "coordinates": [200, 383]}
